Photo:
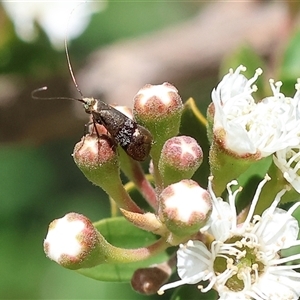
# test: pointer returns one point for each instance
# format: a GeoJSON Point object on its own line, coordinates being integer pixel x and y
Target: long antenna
{"type": "Point", "coordinates": [44, 88]}
{"type": "Point", "coordinates": [67, 54]}
{"type": "Point", "coordinates": [33, 93]}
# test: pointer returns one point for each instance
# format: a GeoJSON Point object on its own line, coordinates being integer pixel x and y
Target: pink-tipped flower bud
{"type": "Point", "coordinates": [73, 242]}
{"type": "Point", "coordinates": [96, 157]}
{"type": "Point", "coordinates": [93, 152]}
{"type": "Point", "coordinates": [159, 109]}
{"type": "Point", "coordinates": [184, 207]}
{"type": "Point", "coordinates": [181, 156]}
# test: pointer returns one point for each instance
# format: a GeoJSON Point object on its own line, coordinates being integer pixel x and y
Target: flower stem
{"type": "Point", "coordinates": [120, 255]}
{"type": "Point", "coordinates": [122, 198]}
{"type": "Point", "coordinates": [133, 170]}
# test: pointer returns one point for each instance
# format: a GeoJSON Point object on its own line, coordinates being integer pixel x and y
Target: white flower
{"type": "Point", "coordinates": [274, 123]}
{"type": "Point", "coordinates": [288, 159]}
{"type": "Point", "coordinates": [288, 162]}
{"type": "Point", "coordinates": [254, 128]}
{"type": "Point", "coordinates": [243, 261]}
{"type": "Point", "coordinates": [233, 102]}
{"type": "Point", "coordinates": [53, 17]}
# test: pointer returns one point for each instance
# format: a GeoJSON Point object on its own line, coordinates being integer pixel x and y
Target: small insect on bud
{"type": "Point", "coordinates": [139, 140]}
{"type": "Point", "coordinates": [184, 207]}
{"type": "Point", "coordinates": [135, 139]}
{"type": "Point", "coordinates": [181, 156]}
{"type": "Point", "coordinates": [73, 242]}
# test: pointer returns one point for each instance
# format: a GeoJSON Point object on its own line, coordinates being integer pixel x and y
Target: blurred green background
{"type": "Point", "coordinates": [39, 181]}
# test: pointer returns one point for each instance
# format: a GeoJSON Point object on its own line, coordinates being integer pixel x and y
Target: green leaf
{"type": "Point", "coordinates": [250, 179]}
{"type": "Point", "coordinates": [193, 124]}
{"type": "Point", "coordinates": [290, 67]}
{"type": "Point", "coordinates": [258, 169]}
{"type": "Point", "coordinates": [246, 56]}
{"type": "Point", "coordinates": [121, 233]}
{"type": "Point", "coordinates": [193, 293]}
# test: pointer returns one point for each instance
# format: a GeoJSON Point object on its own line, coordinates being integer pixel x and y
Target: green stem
{"type": "Point", "coordinates": [120, 255]}
{"type": "Point", "coordinates": [118, 193]}
{"type": "Point", "coordinates": [134, 172]}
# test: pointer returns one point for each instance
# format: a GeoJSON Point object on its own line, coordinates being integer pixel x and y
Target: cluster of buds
{"type": "Point", "coordinates": [237, 252]}
{"type": "Point", "coordinates": [175, 207]}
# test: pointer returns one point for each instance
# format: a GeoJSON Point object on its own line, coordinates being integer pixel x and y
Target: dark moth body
{"type": "Point", "coordinates": [135, 139]}
{"type": "Point", "coordinates": [132, 137]}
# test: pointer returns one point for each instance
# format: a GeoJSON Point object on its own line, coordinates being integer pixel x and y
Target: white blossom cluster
{"type": "Point", "coordinates": [270, 126]}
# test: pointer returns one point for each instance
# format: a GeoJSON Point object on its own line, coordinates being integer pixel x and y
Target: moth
{"type": "Point", "coordinates": [135, 139]}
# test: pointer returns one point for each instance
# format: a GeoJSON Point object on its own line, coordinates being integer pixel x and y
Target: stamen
{"type": "Point", "coordinates": [276, 201]}
{"type": "Point", "coordinates": [275, 87]}
{"type": "Point", "coordinates": [286, 267]}
{"type": "Point", "coordinates": [223, 277]}
{"type": "Point", "coordinates": [293, 157]}
{"type": "Point", "coordinates": [215, 247]}
{"type": "Point", "coordinates": [232, 201]}
{"type": "Point", "coordinates": [254, 88]}
{"type": "Point", "coordinates": [238, 70]}
{"type": "Point", "coordinates": [213, 196]}
{"type": "Point", "coordinates": [171, 286]}
{"type": "Point", "coordinates": [204, 255]}
{"type": "Point", "coordinates": [210, 285]}
{"type": "Point", "coordinates": [258, 72]}
{"type": "Point", "coordinates": [245, 275]}
{"type": "Point", "coordinates": [241, 255]}
{"type": "Point", "coordinates": [285, 260]}
{"type": "Point", "coordinates": [254, 201]}
{"type": "Point", "coordinates": [255, 269]}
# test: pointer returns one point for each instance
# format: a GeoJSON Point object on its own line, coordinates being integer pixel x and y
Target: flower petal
{"type": "Point", "coordinates": [278, 229]}
{"type": "Point", "coordinates": [193, 261]}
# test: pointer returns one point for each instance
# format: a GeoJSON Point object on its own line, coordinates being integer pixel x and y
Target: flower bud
{"type": "Point", "coordinates": [158, 108]}
{"type": "Point", "coordinates": [73, 242]}
{"type": "Point", "coordinates": [180, 158]}
{"type": "Point", "coordinates": [96, 157]}
{"type": "Point", "coordinates": [184, 207]}
{"type": "Point", "coordinates": [94, 152]}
